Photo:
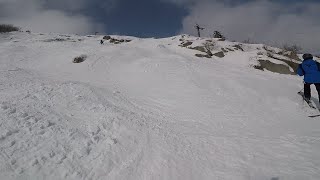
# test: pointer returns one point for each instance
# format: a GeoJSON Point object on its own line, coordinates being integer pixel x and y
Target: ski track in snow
{"type": "Point", "coordinates": [147, 110]}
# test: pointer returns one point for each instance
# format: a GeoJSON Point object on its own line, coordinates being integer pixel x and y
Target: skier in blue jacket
{"type": "Point", "coordinates": [310, 69]}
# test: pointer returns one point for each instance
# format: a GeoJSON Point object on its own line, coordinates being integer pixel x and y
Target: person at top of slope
{"type": "Point", "coordinates": [310, 69]}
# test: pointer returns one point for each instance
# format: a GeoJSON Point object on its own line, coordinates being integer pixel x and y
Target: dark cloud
{"type": "Point", "coordinates": [48, 16]}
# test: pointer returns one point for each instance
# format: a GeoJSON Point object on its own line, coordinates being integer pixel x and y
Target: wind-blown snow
{"type": "Point", "coordinates": [148, 109]}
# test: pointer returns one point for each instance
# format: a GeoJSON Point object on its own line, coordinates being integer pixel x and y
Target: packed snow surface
{"type": "Point", "coordinates": [148, 109]}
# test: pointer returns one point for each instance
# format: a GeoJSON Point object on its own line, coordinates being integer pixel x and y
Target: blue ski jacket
{"type": "Point", "coordinates": [310, 69]}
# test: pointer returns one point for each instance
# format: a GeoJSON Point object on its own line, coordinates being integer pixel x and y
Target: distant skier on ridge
{"type": "Point", "coordinates": [310, 69]}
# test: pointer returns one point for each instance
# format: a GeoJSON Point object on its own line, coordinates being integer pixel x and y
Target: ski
{"type": "Point", "coordinates": [308, 102]}
{"type": "Point", "coordinates": [313, 116]}
{"type": "Point", "coordinates": [311, 105]}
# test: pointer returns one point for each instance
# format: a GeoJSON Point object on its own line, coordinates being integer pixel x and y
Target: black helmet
{"type": "Point", "coordinates": [307, 56]}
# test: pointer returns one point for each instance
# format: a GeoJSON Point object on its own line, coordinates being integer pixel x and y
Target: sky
{"type": "Point", "coordinates": [274, 22]}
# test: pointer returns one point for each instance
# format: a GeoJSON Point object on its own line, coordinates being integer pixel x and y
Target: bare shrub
{"type": "Point", "coordinates": [249, 41]}
{"type": "Point", "coordinates": [209, 46]}
{"type": "Point", "coordinates": [293, 48]}
{"type": "Point", "coordinates": [291, 51]}
{"type": "Point", "coordinates": [8, 28]}
{"type": "Point", "coordinates": [80, 59]}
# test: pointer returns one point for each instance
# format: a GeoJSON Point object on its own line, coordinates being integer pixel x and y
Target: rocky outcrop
{"type": "Point", "coordinates": [219, 54]}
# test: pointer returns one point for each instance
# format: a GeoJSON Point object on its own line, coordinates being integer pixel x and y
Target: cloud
{"type": "Point", "coordinates": [48, 16]}
{"type": "Point", "coordinates": [261, 21]}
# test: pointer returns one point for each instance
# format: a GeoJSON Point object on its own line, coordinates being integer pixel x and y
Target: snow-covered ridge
{"type": "Point", "coordinates": [151, 109]}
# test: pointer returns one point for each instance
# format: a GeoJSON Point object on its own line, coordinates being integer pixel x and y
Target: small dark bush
{"type": "Point", "coordinates": [79, 59]}
{"type": "Point", "coordinates": [218, 34]}
{"type": "Point", "coordinates": [8, 28]}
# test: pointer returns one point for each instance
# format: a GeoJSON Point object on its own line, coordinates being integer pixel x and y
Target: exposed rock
{"type": "Point", "coordinates": [79, 59]}
{"type": "Point", "coordinates": [209, 53]}
{"type": "Point", "coordinates": [112, 40]}
{"type": "Point", "coordinates": [238, 46]}
{"type": "Point", "coordinates": [270, 66]}
{"type": "Point", "coordinates": [203, 55]}
{"type": "Point", "coordinates": [199, 48]}
{"type": "Point", "coordinates": [230, 49]}
{"type": "Point", "coordinates": [219, 54]}
{"type": "Point", "coordinates": [186, 44]}
{"type": "Point", "coordinates": [224, 50]}
{"type": "Point", "coordinates": [118, 41]}
{"type": "Point", "coordinates": [292, 64]}
{"type": "Point", "coordinates": [56, 40]}
{"type": "Point", "coordinates": [107, 37]}
{"type": "Point", "coordinates": [292, 55]}
{"type": "Point", "coordinates": [259, 67]}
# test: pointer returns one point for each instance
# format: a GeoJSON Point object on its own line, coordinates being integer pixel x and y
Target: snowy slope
{"type": "Point", "coordinates": [148, 109]}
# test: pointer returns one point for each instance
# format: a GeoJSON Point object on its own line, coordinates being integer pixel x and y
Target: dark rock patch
{"type": "Point", "coordinates": [270, 66]}
{"type": "Point", "coordinates": [199, 48]}
{"type": "Point", "coordinates": [79, 59]}
{"type": "Point", "coordinates": [219, 54]}
{"type": "Point", "coordinates": [203, 55]}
